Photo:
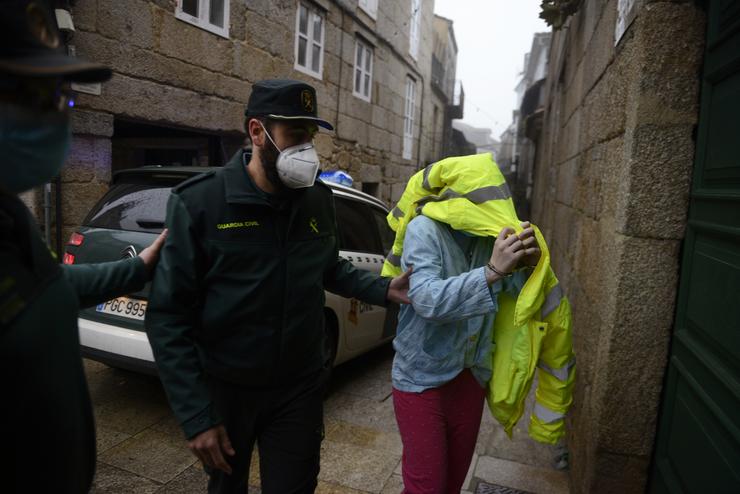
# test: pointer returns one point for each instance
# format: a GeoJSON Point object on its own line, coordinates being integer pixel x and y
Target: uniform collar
{"type": "Point", "coordinates": [239, 186]}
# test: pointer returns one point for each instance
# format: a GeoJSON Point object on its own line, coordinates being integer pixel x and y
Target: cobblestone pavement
{"type": "Point", "coordinates": [141, 449]}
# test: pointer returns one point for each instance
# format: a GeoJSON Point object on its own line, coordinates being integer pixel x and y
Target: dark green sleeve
{"type": "Point", "coordinates": [347, 281]}
{"type": "Point", "coordinates": [343, 279]}
{"type": "Point", "coordinates": [172, 317]}
{"type": "Point", "coordinates": [96, 283]}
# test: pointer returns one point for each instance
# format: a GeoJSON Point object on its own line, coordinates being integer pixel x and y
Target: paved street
{"type": "Point", "coordinates": [141, 449]}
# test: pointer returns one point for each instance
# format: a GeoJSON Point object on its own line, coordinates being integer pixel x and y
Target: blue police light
{"type": "Point", "coordinates": [337, 177]}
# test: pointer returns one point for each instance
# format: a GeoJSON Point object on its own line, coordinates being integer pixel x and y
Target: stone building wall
{"type": "Point", "coordinates": [170, 73]}
{"type": "Point", "coordinates": [611, 195]}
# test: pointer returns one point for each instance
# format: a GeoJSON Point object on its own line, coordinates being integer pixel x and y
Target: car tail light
{"type": "Point", "coordinates": [68, 258]}
{"type": "Point", "coordinates": [76, 239]}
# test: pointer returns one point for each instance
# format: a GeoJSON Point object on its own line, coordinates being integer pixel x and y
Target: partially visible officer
{"type": "Point", "coordinates": [48, 429]}
{"type": "Point", "coordinates": [236, 312]}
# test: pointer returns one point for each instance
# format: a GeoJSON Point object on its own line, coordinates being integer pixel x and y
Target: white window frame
{"type": "Point", "coordinates": [408, 118]}
{"type": "Point", "coordinates": [313, 13]}
{"type": "Point", "coordinates": [365, 71]}
{"type": "Point", "coordinates": [203, 18]}
{"type": "Point", "coordinates": [414, 28]}
{"type": "Point", "coordinates": [370, 7]}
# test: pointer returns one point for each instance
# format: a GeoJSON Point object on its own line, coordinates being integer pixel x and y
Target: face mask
{"type": "Point", "coordinates": [296, 165]}
{"type": "Point", "coordinates": [33, 145]}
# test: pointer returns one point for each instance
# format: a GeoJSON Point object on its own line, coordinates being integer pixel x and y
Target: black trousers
{"type": "Point", "coordinates": [287, 424]}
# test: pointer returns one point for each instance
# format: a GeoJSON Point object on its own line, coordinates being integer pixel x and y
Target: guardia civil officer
{"type": "Point", "coordinates": [48, 430]}
{"type": "Point", "coordinates": [236, 313]}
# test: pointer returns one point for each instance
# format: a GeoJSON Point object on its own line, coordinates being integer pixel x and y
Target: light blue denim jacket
{"type": "Point", "coordinates": [447, 327]}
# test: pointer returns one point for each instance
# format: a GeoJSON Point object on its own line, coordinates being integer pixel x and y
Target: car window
{"type": "Point", "coordinates": [131, 206]}
{"type": "Point", "coordinates": [357, 227]}
{"type": "Point", "coordinates": [387, 236]}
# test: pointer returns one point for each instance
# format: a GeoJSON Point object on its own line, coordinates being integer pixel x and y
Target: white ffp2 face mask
{"type": "Point", "coordinates": [296, 165]}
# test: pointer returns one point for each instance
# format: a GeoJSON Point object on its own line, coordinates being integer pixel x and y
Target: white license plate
{"type": "Point", "coordinates": [124, 307]}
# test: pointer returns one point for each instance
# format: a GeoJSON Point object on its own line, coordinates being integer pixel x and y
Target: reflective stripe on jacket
{"type": "Point", "coordinates": [470, 194]}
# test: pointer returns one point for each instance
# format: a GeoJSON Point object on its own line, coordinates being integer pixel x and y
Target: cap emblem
{"type": "Point", "coordinates": [39, 27]}
{"type": "Point", "coordinates": [307, 100]}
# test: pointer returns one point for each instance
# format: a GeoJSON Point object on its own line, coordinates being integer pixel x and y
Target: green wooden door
{"type": "Point", "coordinates": [698, 443]}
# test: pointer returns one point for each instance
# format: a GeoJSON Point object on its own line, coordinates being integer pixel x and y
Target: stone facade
{"type": "Point", "coordinates": [611, 196]}
{"type": "Point", "coordinates": [171, 74]}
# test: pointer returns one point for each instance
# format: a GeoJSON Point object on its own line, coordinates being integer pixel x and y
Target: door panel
{"type": "Point", "coordinates": [698, 444]}
{"type": "Point", "coordinates": [360, 243]}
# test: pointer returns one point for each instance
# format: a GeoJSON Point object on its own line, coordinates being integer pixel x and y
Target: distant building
{"type": "Point", "coordinates": [508, 157]}
{"type": "Point", "coordinates": [519, 157]}
{"type": "Point", "coordinates": [480, 137]}
{"type": "Point", "coordinates": [448, 97]}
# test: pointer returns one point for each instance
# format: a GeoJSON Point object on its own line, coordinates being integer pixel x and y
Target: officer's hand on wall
{"type": "Point", "coordinates": [507, 251]}
{"type": "Point", "coordinates": [150, 255]}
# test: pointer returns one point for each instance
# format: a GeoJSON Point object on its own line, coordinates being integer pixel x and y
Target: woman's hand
{"type": "Point", "coordinates": [507, 251]}
{"type": "Point", "coordinates": [532, 252]}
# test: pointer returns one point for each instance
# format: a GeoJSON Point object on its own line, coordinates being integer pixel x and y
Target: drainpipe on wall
{"type": "Point", "coordinates": [419, 163]}
{"type": "Point", "coordinates": [341, 65]}
{"type": "Point", "coordinates": [58, 208]}
{"type": "Point", "coordinates": [47, 214]}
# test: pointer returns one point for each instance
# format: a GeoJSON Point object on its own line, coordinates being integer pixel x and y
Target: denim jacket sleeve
{"type": "Point", "coordinates": [433, 296]}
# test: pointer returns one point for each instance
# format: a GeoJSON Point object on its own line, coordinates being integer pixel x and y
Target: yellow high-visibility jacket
{"type": "Point", "coordinates": [533, 331]}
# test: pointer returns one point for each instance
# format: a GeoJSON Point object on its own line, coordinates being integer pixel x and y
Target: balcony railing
{"type": "Point", "coordinates": [458, 100]}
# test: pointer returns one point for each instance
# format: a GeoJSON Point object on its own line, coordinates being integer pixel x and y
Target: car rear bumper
{"type": "Point", "coordinates": [116, 346]}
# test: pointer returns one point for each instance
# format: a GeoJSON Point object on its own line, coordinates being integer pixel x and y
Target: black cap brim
{"type": "Point", "coordinates": [56, 65]}
{"type": "Point", "coordinates": [321, 122]}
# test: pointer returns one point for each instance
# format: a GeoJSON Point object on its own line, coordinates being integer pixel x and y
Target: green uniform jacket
{"type": "Point", "coordinates": [49, 430]}
{"type": "Point", "coordinates": [238, 293]}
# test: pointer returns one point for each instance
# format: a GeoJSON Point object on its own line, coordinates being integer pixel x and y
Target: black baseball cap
{"type": "Point", "coordinates": [31, 46]}
{"type": "Point", "coordinates": [284, 99]}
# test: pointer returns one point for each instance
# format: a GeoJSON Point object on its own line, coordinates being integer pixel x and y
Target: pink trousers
{"type": "Point", "coordinates": [439, 428]}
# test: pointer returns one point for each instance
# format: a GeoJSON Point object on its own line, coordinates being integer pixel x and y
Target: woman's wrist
{"type": "Point", "coordinates": [491, 276]}
{"type": "Point", "coordinates": [499, 272]}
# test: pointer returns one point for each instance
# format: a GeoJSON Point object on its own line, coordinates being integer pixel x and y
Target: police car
{"type": "Point", "coordinates": [132, 213]}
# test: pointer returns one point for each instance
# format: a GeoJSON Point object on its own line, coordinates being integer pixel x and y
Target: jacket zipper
{"type": "Point", "coordinates": [282, 250]}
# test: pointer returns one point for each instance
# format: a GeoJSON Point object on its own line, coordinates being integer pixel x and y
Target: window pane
{"type": "Point", "coordinates": [356, 232]}
{"type": "Point", "coordinates": [358, 76]}
{"type": "Point", "coordinates": [302, 52]}
{"type": "Point", "coordinates": [369, 61]}
{"type": "Point", "coordinates": [358, 62]}
{"type": "Point", "coordinates": [366, 90]}
{"type": "Point", "coordinates": [217, 13]}
{"type": "Point", "coordinates": [386, 234]}
{"type": "Point", "coordinates": [190, 7]}
{"type": "Point", "coordinates": [303, 20]}
{"type": "Point", "coordinates": [317, 22]}
{"type": "Point", "coordinates": [316, 58]}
